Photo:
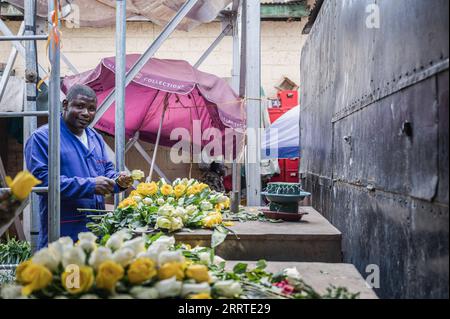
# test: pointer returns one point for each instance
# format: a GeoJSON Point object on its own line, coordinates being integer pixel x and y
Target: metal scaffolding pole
{"type": "Point", "coordinates": [213, 45]}
{"type": "Point", "coordinates": [236, 174]}
{"type": "Point", "coordinates": [54, 204]}
{"type": "Point", "coordinates": [253, 85]}
{"type": "Point", "coordinates": [31, 215]}
{"type": "Point", "coordinates": [147, 55]}
{"type": "Point", "coordinates": [121, 51]}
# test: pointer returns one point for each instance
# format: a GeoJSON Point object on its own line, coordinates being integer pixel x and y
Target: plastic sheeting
{"type": "Point", "coordinates": [282, 138]}
{"type": "Point", "coordinates": [101, 13]}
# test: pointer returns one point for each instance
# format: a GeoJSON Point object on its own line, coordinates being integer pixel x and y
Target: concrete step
{"type": "Point", "coordinates": [313, 239]}
{"type": "Point", "coordinates": [321, 276]}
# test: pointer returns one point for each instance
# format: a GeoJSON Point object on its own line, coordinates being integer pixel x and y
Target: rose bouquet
{"type": "Point", "coordinates": [142, 268]}
{"type": "Point", "coordinates": [170, 207]}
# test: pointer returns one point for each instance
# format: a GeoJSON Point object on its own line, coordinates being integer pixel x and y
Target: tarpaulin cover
{"type": "Point", "coordinates": [282, 138]}
{"type": "Point", "coordinates": [101, 13]}
{"type": "Point", "coordinates": [193, 95]}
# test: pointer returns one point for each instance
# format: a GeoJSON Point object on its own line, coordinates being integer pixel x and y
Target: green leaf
{"type": "Point", "coordinates": [261, 264]}
{"type": "Point", "coordinates": [218, 237]}
{"type": "Point", "coordinates": [240, 268]}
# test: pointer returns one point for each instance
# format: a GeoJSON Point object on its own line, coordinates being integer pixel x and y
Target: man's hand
{"type": "Point", "coordinates": [104, 186]}
{"type": "Point", "coordinates": [124, 180]}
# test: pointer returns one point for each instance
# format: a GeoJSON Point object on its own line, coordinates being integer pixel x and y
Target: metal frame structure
{"type": "Point", "coordinates": [30, 113]}
{"type": "Point", "coordinates": [245, 29]}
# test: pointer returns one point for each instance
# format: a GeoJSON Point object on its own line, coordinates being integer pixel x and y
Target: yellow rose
{"type": "Point", "coordinates": [213, 219]}
{"type": "Point", "coordinates": [22, 184]}
{"type": "Point", "coordinates": [33, 277]}
{"type": "Point", "coordinates": [134, 193]}
{"type": "Point", "coordinates": [141, 270]}
{"type": "Point", "coordinates": [179, 190]}
{"type": "Point", "coordinates": [109, 273]}
{"type": "Point", "coordinates": [194, 190]}
{"type": "Point", "coordinates": [171, 269]}
{"type": "Point", "coordinates": [200, 296]}
{"type": "Point", "coordinates": [127, 202]}
{"type": "Point", "coordinates": [166, 190]}
{"type": "Point", "coordinates": [203, 186]}
{"type": "Point", "coordinates": [147, 189]}
{"type": "Point", "coordinates": [198, 272]}
{"type": "Point", "coordinates": [86, 280]}
{"type": "Point", "coordinates": [19, 270]}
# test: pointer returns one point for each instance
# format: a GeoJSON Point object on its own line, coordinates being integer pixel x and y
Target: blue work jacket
{"type": "Point", "coordinates": [79, 168]}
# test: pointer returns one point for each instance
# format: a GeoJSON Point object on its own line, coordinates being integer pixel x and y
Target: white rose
{"type": "Point", "coordinates": [170, 256]}
{"type": "Point", "coordinates": [116, 240]}
{"type": "Point", "coordinates": [124, 256]}
{"type": "Point", "coordinates": [99, 256]}
{"type": "Point", "coordinates": [191, 209]}
{"type": "Point", "coordinates": [228, 288]}
{"type": "Point", "coordinates": [205, 206]}
{"type": "Point", "coordinates": [160, 201]}
{"type": "Point", "coordinates": [163, 222]}
{"type": "Point", "coordinates": [165, 241]}
{"type": "Point", "coordinates": [87, 246]}
{"type": "Point", "coordinates": [170, 199]}
{"type": "Point", "coordinates": [144, 293]}
{"type": "Point", "coordinates": [177, 224]}
{"type": "Point", "coordinates": [205, 257]}
{"type": "Point", "coordinates": [180, 212]}
{"type": "Point", "coordinates": [137, 245]}
{"type": "Point", "coordinates": [292, 276]}
{"type": "Point", "coordinates": [181, 202]}
{"type": "Point", "coordinates": [11, 292]}
{"type": "Point", "coordinates": [59, 246]}
{"type": "Point", "coordinates": [147, 201]}
{"type": "Point", "coordinates": [222, 199]}
{"type": "Point", "coordinates": [193, 289]}
{"type": "Point", "coordinates": [74, 256]}
{"type": "Point", "coordinates": [47, 258]}
{"type": "Point", "coordinates": [169, 288]}
{"type": "Point", "coordinates": [137, 198]}
{"type": "Point", "coordinates": [153, 255]}
{"type": "Point", "coordinates": [212, 277]}
{"type": "Point", "coordinates": [166, 211]}
{"type": "Point", "coordinates": [87, 237]}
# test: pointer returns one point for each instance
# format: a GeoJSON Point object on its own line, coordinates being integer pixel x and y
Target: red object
{"type": "Point", "coordinates": [289, 99]}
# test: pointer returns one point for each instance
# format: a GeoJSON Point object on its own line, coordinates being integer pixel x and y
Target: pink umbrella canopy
{"type": "Point", "coordinates": [192, 96]}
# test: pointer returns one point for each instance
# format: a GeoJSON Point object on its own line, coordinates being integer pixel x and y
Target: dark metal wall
{"type": "Point", "coordinates": [374, 138]}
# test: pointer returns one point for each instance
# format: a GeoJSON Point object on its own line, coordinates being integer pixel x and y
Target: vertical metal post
{"type": "Point", "coordinates": [31, 216]}
{"type": "Point", "coordinates": [253, 85]}
{"type": "Point", "coordinates": [236, 172]}
{"type": "Point", "coordinates": [121, 50]}
{"type": "Point", "coordinates": [54, 106]}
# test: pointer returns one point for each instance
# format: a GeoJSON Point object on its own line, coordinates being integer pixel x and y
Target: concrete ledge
{"type": "Point", "coordinates": [312, 240]}
{"type": "Point", "coordinates": [321, 275]}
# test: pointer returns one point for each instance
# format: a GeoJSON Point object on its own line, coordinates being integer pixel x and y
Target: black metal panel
{"type": "Point", "coordinates": [406, 238]}
{"type": "Point", "coordinates": [443, 137]}
{"type": "Point", "coordinates": [374, 122]}
{"type": "Point", "coordinates": [392, 144]}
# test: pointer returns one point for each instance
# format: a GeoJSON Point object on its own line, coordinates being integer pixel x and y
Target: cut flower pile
{"type": "Point", "coordinates": [147, 268]}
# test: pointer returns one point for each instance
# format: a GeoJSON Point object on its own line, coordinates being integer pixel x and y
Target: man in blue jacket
{"type": "Point", "coordinates": [87, 175]}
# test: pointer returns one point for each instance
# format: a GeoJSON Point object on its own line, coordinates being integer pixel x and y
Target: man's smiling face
{"type": "Point", "coordinates": [79, 113]}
